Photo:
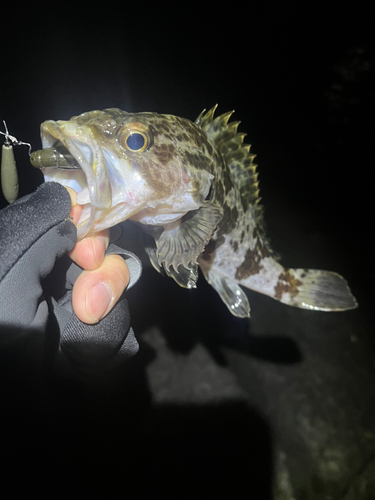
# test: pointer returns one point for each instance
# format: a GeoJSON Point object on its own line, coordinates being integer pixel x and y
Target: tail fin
{"type": "Point", "coordinates": [315, 290]}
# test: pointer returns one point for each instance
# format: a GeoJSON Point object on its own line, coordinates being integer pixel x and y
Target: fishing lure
{"type": "Point", "coordinates": [9, 176]}
{"type": "Point", "coordinates": [52, 157]}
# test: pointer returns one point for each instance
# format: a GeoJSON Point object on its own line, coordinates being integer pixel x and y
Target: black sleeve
{"type": "Point", "coordinates": [35, 232]}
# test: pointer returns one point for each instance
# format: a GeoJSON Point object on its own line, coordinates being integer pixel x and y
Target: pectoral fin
{"type": "Point", "coordinates": [182, 245]}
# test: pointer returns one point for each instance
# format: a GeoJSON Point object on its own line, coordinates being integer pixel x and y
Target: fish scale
{"type": "Point", "coordinates": [193, 188]}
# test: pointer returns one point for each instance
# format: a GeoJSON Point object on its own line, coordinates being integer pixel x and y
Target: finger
{"type": "Point", "coordinates": [96, 292]}
{"type": "Point", "coordinates": [89, 252]}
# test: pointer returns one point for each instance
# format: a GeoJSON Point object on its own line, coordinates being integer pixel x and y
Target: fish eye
{"type": "Point", "coordinates": [136, 141]}
{"type": "Point", "coordinates": [134, 137]}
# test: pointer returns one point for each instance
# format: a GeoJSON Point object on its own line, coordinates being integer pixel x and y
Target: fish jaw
{"type": "Point", "coordinates": [107, 186]}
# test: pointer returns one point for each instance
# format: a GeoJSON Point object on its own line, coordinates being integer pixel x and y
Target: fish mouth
{"type": "Point", "coordinates": [73, 156]}
{"type": "Point", "coordinates": [76, 149]}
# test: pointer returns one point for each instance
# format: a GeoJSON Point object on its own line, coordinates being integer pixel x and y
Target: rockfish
{"type": "Point", "coordinates": [193, 187]}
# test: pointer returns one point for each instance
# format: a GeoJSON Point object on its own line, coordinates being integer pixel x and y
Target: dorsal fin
{"type": "Point", "coordinates": [236, 154]}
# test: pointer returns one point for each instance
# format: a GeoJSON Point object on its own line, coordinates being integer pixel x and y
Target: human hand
{"type": "Point", "coordinates": [37, 283]}
{"type": "Point", "coordinates": [104, 278]}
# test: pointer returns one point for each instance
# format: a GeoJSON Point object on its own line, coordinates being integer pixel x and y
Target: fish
{"type": "Point", "coordinates": [193, 188]}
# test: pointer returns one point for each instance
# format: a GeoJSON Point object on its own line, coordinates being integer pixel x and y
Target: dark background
{"type": "Point", "coordinates": [301, 79]}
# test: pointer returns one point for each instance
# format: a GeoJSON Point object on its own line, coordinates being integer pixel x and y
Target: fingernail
{"type": "Point", "coordinates": [98, 300]}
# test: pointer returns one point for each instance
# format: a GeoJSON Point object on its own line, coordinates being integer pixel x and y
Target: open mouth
{"type": "Point", "coordinates": [60, 165]}
{"type": "Point", "coordinates": [69, 161]}
{"type": "Point", "coordinates": [72, 157]}
{"type": "Point", "coordinates": [63, 149]}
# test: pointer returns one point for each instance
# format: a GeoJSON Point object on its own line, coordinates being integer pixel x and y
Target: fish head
{"type": "Point", "coordinates": [149, 167]}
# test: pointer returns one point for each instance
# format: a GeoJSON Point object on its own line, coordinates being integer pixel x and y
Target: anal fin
{"type": "Point", "coordinates": [231, 294]}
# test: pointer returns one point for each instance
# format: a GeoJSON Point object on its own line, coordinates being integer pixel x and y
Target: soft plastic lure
{"type": "Point", "coordinates": [9, 175]}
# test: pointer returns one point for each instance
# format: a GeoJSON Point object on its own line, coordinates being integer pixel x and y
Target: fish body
{"type": "Point", "coordinates": [193, 187]}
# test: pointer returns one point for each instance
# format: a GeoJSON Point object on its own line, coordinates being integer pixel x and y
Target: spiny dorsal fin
{"type": "Point", "coordinates": [240, 163]}
{"type": "Point", "coordinates": [236, 154]}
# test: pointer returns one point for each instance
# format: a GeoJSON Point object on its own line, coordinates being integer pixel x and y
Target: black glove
{"type": "Point", "coordinates": [34, 232]}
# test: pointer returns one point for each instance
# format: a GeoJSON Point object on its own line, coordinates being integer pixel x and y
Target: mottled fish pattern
{"type": "Point", "coordinates": [193, 188]}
